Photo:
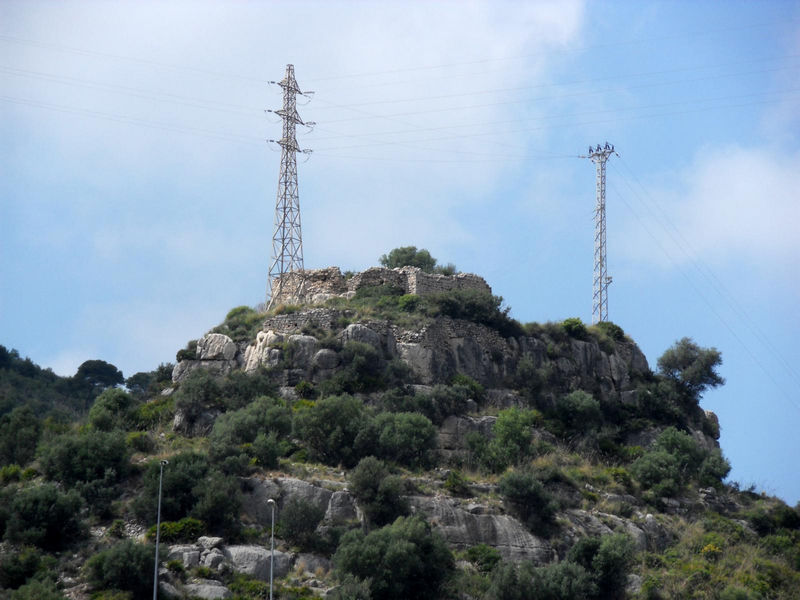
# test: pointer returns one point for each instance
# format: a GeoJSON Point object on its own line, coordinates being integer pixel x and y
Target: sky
{"type": "Point", "coordinates": [138, 186]}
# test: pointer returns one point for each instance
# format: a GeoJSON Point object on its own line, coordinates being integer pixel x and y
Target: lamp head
{"type": "Point", "coordinates": [270, 501]}
{"type": "Point", "coordinates": [164, 463]}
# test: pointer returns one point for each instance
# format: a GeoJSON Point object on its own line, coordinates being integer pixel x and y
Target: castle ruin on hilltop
{"type": "Point", "coordinates": [319, 285]}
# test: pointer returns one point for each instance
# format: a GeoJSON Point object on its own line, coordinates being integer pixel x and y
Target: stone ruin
{"type": "Point", "coordinates": [321, 284]}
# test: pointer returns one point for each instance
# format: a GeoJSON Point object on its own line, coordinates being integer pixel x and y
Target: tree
{"type": "Point", "coordinates": [403, 560]}
{"type": "Point", "coordinates": [529, 500]}
{"type": "Point", "coordinates": [111, 409]}
{"type": "Point", "coordinates": [99, 374]}
{"type": "Point", "coordinates": [693, 368]}
{"type": "Point", "coordinates": [330, 427]}
{"type": "Point", "coordinates": [44, 517]}
{"type": "Point", "coordinates": [19, 434]}
{"type": "Point", "coordinates": [125, 566]}
{"type": "Point", "coordinates": [409, 256]}
{"type": "Point", "coordinates": [378, 493]}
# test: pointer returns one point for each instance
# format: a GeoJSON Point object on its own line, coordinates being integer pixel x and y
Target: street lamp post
{"type": "Point", "coordinates": [271, 547]}
{"type": "Point", "coordinates": [158, 529]}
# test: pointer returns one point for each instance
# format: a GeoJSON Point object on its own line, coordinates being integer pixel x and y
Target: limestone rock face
{"type": "Point", "coordinates": [462, 529]}
{"type": "Point", "coordinates": [255, 561]}
{"type": "Point", "coordinates": [207, 589]}
{"type": "Point", "coordinates": [216, 346]}
{"type": "Point", "coordinates": [282, 490]}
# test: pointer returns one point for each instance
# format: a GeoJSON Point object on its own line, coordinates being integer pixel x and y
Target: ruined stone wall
{"type": "Point", "coordinates": [321, 284]}
{"type": "Point", "coordinates": [422, 283]}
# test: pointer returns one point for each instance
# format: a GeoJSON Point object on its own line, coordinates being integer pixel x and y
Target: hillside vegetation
{"type": "Point", "coordinates": [546, 462]}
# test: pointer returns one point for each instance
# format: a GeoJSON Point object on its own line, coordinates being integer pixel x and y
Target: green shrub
{"type": "Point", "coordinates": [256, 431]}
{"type": "Point", "coordinates": [379, 494]}
{"type": "Point", "coordinates": [241, 324]}
{"type": "Point", "coordinates": [457, 484]}
{"type": "Point", "coordinates": [305, 389]}
{"type": "Point", "coordinates": [512, 442]}
{"type": "Point", "coordinates": [476, 306]}
{"type": "Point", "coordinates": [141, 441]}
{"type": "Point", "coordinates": [527, 378]}
{"type": "Point", "coordinates": [408, 302]}
{"type": "Point", "coordinates": [403, 560]}
{"type": "Point", "coordinates": [184, 472]}
{"type": "Point", "coordinates": [154, 413]}
{"type": "Point", "coordinates": [578, 412]}
{"type": "Point", "coordinates": [38, 590]}
{"type": "Point", "coordinates": [197, 393]}
{"type": "Point", "coordinates": [560, 581]}
{"type": "Point", "coordinates": [185, 530]}
{"type": "Point", "coordinates": [409, 256]}
{"type": "Point", "coordinates": [329, 428]}
{"type": "Point", "coordinates": [484, 557]}
{"type": "Point", "coordinates": [189, 352]}
{"type": "Point", "coordinates": [126, 566]}
{"type": "Point", "coordinates": [657, 471]}
{"type": "Point", "coordinates": [17, 567]}
{"type": "Point", "coordinates": [405, 438]}
{"type": "Point", "coordinates": [93, 463]}
{"type": "Point", "coordinates": [45, 517]}
{"type": "Point", "coordinates": [112, 410]}
{"type": "Point", "coordinates": [10, 473]}
{"type": "Point", "coordinates": [612, 330]}
{"type": "Point", "coordinates": [574, 328]}
{"type": "Point", "coordinates": [19, 434]}
{"type": "Point", "coordinates": [298, 523]}
{"type": "Point", "coordinates": [528, 498]}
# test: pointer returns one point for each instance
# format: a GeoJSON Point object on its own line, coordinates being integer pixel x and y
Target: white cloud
{"type": "Point", "coordinates": [732, 205]}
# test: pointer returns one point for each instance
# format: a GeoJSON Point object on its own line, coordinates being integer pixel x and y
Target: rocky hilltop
{"type": "Point", "coordinates": [397, 417]}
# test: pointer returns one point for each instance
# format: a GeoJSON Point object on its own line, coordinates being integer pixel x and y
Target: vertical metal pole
{"type": "Point", "coordinates": [158, 530]}
{"type": "Point", "coordinates": [271, 547]}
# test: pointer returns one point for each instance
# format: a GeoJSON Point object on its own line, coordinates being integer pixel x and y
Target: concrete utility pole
{"type": "Point", "coordinates": [285, 279]}
{"type": "Point", "coordinates": [599, 156]}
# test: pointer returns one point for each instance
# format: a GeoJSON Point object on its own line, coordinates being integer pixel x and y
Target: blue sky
{"type": "Point", "coordinates": [137, 190]}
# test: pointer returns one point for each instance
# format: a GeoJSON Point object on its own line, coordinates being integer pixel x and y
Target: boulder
{"type": "Point", "coordinates": [302, 349]}
{"type": "Point", "coordinates": [462, 529]}
{"type": "Point", "coordinates": [208, 542]}
{"type": "Point", "coordinates": [216, 346]}
{"type": "Point", "coordinates": [206, 589]}
{"type": "Point", "coordinates": [255, 561]}
{"type": "Point", "coordinates": [341, 508]}
{"type": "Point", "coordinates": [325, 359]}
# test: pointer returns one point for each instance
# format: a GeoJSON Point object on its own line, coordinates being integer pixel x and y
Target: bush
{"type": "Point", "coordinates": [181, 475]}
{"type": "Point", "coordinates": [457, 484]}
{"type": "Point", "coordinates": [329, 428]}
{"type": "Point", "coordinates": [657, 471]}
{"type": "Point", "coordinates": [405, 438]}
{"type": "Point", "coordinates": [561, 581]}
{"type": "Point", "coordinates": [574, 328]}
{"type": "Point", "coordinates": [185, 530]}
{"type": "Point", "coordinates": [17, 567]}
{"type": "Point", "coordinates": [111, 410]}
{"type": "Point", "coordinates": [38, 590]}
{"type": "Point", "coordinates": [126, 566]}
{"type": "Point", "coordinates": [93, 463]}
{"type": "Point", "coordinates": [378, 493]}
{"type": "Point", "coordinates": [298, 523]}
{"type": "Point", "coordinates": [19, 435]}
{"type": "Point", "coordinates": [241, 324]}
{"type": "Point", "coordinates": [512, 442]}
{"type": "Point", "coordinates": [402, 560]}
{"type": "Point", "coordinates": [484, 557]}
{"type": "Point", "coordinates": [529, 500]}
{"type": "Point", "coordinates": [197, 393]}
{"type": "Point", "coordinates": [140, 441]}
{"type": "Point", "coordinates": [409, 256]}
{"type": "Point", "coordinates": [578, 412]}
{"type": "Point", "coordinates": [45, 517]}
{"type": "Point", "coordinates": [253, 431]}
{"type": "Point", "coordinates": [476, 306]}
{"type": "Point", "coordinates": [612, 330]}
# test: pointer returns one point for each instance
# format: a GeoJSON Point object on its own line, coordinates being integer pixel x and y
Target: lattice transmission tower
{"type": "Point", "coordinates": [601, 279]}
{"type": "Point", "coordinates": [286, 274]}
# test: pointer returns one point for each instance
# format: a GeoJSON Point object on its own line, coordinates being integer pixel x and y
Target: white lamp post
{"type": "Point", "coordinates": [158, 529]}
{"type": "Point", "coordinates": [271, 547]}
